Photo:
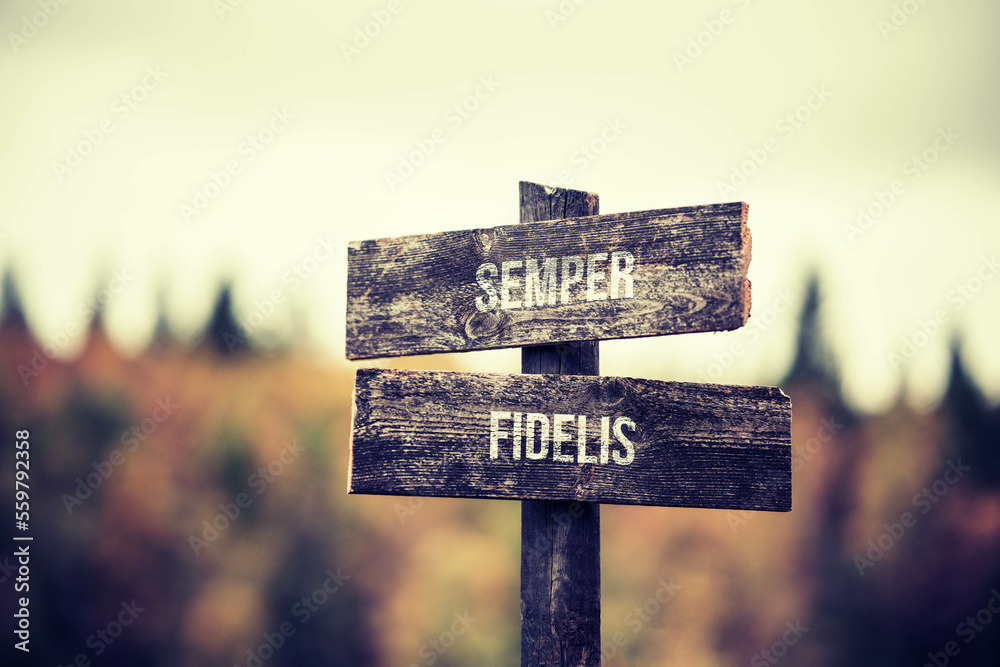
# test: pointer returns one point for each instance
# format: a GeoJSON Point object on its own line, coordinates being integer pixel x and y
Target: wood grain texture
{"type": "Point", "coordinates": [416, 294]}
{"type": "Point", "coordinates": [696, 445]}
{"type": "Point", "coordinates": [560, 584]}
{"type": "Point", "coordinates": [560, 540]}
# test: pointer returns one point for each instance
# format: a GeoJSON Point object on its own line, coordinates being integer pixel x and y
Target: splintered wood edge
{"type": "Point", "coordinates": [350, 442]}
{"type": "Point", "coordinates": [747, 253]}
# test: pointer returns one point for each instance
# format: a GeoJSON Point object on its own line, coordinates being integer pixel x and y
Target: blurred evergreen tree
{"type": "Point", "coordinates": [12, 315]}
{"type": "Point", "coordinates": [224, 335]}
{"type": "Point", "coordinates": [812, 359]}
{"type": "Point", "coordinates": [974, 428]}
{"type": "Point", "coordinates": [840, 607]}
{"type": "Point", "coordinates": [163, 337]}
{"type": "Point", "coordinates": [96, 330]}
{"type": "Point", "coordinates": [814, 368]}
{"type": "Point", "coordinates": [326, 610]}
{"type": "Point", "coordinates": [813, 363]}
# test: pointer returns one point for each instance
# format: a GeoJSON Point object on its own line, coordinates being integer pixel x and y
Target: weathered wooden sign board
{"type": "Point", "coordinates": [570, 437]}
{"type": "Point", "coordinates": [624, 275]}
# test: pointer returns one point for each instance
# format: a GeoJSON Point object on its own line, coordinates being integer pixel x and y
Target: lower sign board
{"type": "Point", "coordinates": [570, 437]}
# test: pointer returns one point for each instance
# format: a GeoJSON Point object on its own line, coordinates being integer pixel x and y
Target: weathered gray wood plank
{"type": "Point", "coordinates": [694, 445]}
{"type": "Point", "coordinates": [686, 269]}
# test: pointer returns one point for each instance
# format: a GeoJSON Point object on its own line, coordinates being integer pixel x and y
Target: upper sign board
{"type": "Point", "coordinates": [622, 275]}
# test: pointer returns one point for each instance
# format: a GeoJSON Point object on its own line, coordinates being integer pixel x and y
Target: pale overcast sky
{"type": "Point", "coordinates": [157, 147]}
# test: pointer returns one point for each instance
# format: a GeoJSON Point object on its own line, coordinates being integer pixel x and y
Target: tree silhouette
{"type": "Point", "coordinates": [224, 334]}
{"type": "Point", "coordinates": [813, 365]}
{"type": "Point", "coordinates": [973, 428]}
{"type": "Point", "coordinates": [12, 315]}
{"type": "Point", "coordinates": [812, 359]}
{"type": "Point", "coordinates": [163, 337]}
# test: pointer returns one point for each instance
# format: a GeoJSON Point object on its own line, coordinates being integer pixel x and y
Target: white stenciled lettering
{"type": "Point", "coordinates": [618, 274]}
{"type": "Point", "coordinates": [507, 284]}
{"type": "Point", "coordinates": [605, 438]}
{"type": "Point", "coordinates": [541, 286]}
{"type": "Point", "coordinates": [581, 443]}
{"type": "Point", "coordinates": [593, 275]}
{"type": "Point", "coordinates": [487, 286]}
{"type": "Point", "coordinates": [570, 276]}
{"type": "Point", "coordinates": [559, 436]}
{"type": "Point", "coordinates": [517, 436]}
{"type": "Point", "coordinates": [625, 442]}
{"type": "Point", "coordinates": [496, 435]}
{"type": "Point", "coordinates": [508, 427]}
{"type": "Point", "coordinates": [543, 437]}
{"type": "Point", "coordinates": [599, 276]}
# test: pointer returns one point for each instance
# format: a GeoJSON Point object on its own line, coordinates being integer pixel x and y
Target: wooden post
{"type": "Point", "coordinates": [560, 540]}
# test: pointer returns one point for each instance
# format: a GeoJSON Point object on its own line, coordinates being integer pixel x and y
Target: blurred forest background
{"type": "Point", "coordinates": [213, 156]}
{"type": "Point", "coordinates": [187, 433]}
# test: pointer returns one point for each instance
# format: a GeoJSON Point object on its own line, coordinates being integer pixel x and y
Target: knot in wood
{"type": "Point", "coordinates": [686, 304]}
{"type": "Point", "coordinates": [570, 624]}
{"type": "Point", "coordinates": [613, 391]}
{"type": "Point", "coordinates": [480, 325]}
{"type": "Point", "coordinates": [484, 239]}
{"type": "Point", "coordinates": [584, 476]}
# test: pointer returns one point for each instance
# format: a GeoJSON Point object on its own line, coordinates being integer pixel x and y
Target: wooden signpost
{"type": "Point", "coordinates": [552, 437]}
